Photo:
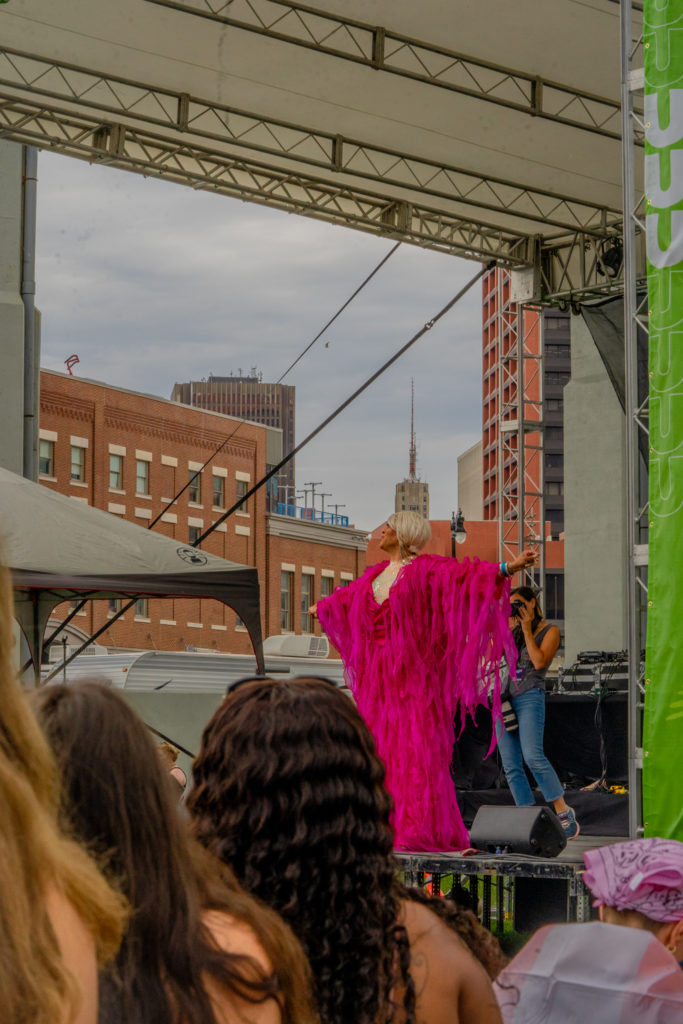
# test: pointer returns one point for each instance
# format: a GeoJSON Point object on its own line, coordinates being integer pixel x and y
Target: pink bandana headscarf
{"type": "Point", "coordinates": [643, 874]}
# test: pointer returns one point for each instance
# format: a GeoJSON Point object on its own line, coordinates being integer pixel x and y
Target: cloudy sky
{"type": "Point", "coordinates": [152, 283]}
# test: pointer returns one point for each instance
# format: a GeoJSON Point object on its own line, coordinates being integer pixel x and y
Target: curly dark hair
{"type": "Point", "coordinates": [289, 791]}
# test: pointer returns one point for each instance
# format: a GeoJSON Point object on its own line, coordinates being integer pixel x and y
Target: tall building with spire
{"type": "Point", "coordinates": [412, 494]}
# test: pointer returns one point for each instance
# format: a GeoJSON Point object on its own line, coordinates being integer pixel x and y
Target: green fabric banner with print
{"type": "Point", "coordinates": [663, 725]}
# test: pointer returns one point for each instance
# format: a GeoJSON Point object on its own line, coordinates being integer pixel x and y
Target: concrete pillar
{"type": "Point", "coordinates": [594, 503]}
{"type": "Point", "coordinates": [11, 309]}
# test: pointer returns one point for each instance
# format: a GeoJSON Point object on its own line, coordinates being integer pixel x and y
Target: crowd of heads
{"type": "Point", "coordinates": [273, 897]}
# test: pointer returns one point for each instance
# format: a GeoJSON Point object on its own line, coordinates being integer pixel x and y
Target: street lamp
{"type": "Point", "coordinates": [458, 531]}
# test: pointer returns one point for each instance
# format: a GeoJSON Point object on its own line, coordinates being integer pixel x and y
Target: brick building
{"type": "Point", "coordinates": [306, 561]}
{"type": "Point", "coordinates": [130, 454]}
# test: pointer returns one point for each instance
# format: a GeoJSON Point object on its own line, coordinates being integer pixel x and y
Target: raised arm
{"type": "Point", "coordinates": [528, 557]}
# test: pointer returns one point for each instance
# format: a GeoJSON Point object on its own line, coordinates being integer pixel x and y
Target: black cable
{"type": "Point", "coordinates": [339, 312]}
{"type": "Point", "coordinates": [359, 391]}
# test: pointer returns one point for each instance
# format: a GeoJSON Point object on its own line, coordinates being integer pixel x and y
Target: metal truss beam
{"type": "Point", "coordinates": [520, 502]}
{"type": "Point", "coordinates": [131, 148]}
{"type": "Point", "coordinates": [384, 50]}
{"type": "Point", "coordinates": [23, 74]}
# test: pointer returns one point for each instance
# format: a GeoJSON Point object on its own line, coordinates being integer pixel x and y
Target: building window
{"type": "Point", "coordinates": [114, 605]}
{"type": "Point", "coordinates": [326, 586]}
{"type": "Point", "coordinates": [553, 595]}
{"type": "Point", "coordinates": [241, 491]}
{"type": "Point", "coordinates": [116, 472]}
{"type": "Point", "coordinates": [561, 351]}
{"type": "Point", "coordinates": [195, 534]}
{"type": "Point", "coordinates": [557, 377]}
{"type": "Point", "coordinates": [141, 476]}
{"type": "Point", "coordinates": [554, 487]}
{"type": "Point", "coordinates": [286, 600]}
{"type": "Point", "coordinates": [307, 600]}
{"type": "Point", "coordinates": [77, 462]}
{"type": "Point", "coordinates": [554, 460]}
{"type": "Point", "coordinates": [219, 492]}
{"type": "Point", "coordinates": [47, 458]}
{"type": "Point", "coordinates": [553, 404]}
{"type": "Point", "coordinates": [344, 582]}
{"type": "Point", "coordinates": [142, 608]}
{"type": "Point", "coordinates": [195, 489]}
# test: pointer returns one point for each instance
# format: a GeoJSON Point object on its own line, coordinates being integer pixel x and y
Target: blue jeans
{"type": "Point", "coordinates": [526, 744]}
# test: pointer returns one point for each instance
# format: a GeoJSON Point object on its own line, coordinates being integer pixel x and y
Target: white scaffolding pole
{"type": "Point", "coordinates": [635, 318]}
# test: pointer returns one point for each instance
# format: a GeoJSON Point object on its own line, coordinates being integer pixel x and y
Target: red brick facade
{"type": "Point", "coordinates": [133, 453]}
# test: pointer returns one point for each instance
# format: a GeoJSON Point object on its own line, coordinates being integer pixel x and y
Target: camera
{"type": "Point", "coordinates": [515, 608]}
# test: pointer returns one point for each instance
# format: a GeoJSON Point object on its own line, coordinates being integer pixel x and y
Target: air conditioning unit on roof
{"type": "Point", "coordinates": [293, 646]}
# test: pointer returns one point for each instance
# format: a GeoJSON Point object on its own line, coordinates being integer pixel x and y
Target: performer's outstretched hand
{"type": "Point", "coordinates": [528, 557]}
{"type": "Point", "coordinates": [313, 610]}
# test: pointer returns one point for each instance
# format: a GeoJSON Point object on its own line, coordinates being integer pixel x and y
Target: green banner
{"type": "Point", "coordinates": [663, 725]}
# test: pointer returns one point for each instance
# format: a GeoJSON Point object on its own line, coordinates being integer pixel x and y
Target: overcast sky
{"type": "Point", "coordinates": [152, 283]}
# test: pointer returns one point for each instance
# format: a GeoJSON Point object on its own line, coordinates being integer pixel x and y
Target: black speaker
{"type": "Point", "coordinates": [534, 830]}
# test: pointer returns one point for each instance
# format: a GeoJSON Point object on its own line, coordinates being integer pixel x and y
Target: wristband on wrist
{"type": "Point", "coordinates": [504, 569]}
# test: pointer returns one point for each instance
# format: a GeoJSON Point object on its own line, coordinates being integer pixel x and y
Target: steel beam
{"type": "Point", "coordinates": [520, 471]}
{"type": "Point", "coordinates": [129, 148]}
{"type": "Point", "coordinates": [28, 76]}
{"type": "Point", "coordinates": [391, 52]}
{"type": "Point", "coordinates": [182, 138]}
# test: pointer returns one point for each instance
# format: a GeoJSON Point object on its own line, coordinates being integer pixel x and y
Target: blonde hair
{"type": "Point", "coordinates": [412, 532]}
{"type": "Point", "coordinates": [36, 859]}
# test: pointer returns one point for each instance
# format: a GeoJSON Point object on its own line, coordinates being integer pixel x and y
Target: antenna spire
{"type": "Point", "coordinates": [413, 448]}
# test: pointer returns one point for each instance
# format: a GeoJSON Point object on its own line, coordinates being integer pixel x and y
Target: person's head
{"type": "Point", "coordinates": [639, 884]}
{"type": "Point", "coordinates": [119, 799]}
{"type": "Point", "coordinates": [36, 861]}
{"type": "Point", "coordinates": [405, 532]}
{"type": "Point", "coordinates": [289, 790]}
{"type": "Point", "coordinates": [530, 599]}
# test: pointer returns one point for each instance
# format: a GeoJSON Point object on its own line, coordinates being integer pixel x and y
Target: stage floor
{"type": "Point", "coordinates": [568, 864]}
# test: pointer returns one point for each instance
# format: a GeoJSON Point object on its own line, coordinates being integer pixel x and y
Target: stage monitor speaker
{"type": "Point", "coordinates": [532, 830]}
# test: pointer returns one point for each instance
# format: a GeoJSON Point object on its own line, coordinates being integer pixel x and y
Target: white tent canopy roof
{"type": "Point", "coordinates": [472, 126]}
{"type": "Point", "coordinates": [59, 549]}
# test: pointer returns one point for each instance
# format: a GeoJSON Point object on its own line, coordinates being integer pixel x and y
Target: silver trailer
{"type": "Point", "coordinates": [176, 692]}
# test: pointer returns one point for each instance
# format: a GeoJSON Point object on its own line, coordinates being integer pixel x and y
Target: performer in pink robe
{"type": "Point", "coordinates": [422, 638]}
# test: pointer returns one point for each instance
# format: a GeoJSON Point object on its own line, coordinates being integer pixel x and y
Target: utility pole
{"type": "Point", "coordinates": [312, 484]}
{"type": "Point", "coordinates": [336, 511]}
{"type": "Point", "coordinates": [323, 495]}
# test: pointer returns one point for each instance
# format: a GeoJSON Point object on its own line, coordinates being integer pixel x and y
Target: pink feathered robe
{"type": "Point", "coordinates": [430, 651]}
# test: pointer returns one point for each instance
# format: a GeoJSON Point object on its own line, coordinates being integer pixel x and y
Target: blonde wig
{"type": "Point", "coordinates": [35, 859]}
{"type": "Point", "coordinates": [412, 532]}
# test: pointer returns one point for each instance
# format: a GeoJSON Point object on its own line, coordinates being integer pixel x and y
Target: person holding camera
{"type": "Point", "coordinates": [520, 734]}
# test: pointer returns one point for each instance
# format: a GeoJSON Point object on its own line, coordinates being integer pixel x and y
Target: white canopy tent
{"type": "Point", "coordinates": [59, 550]}
{"type": "Point", "coordinates": [480, 127]}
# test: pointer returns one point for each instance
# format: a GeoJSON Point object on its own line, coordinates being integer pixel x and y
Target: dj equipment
{"type": "Point", "coordinates": [531, 830]}
{"type": "Point", "coordinates": [593, 675]}
{"type": "Point", "coordinates": [598, 656]}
